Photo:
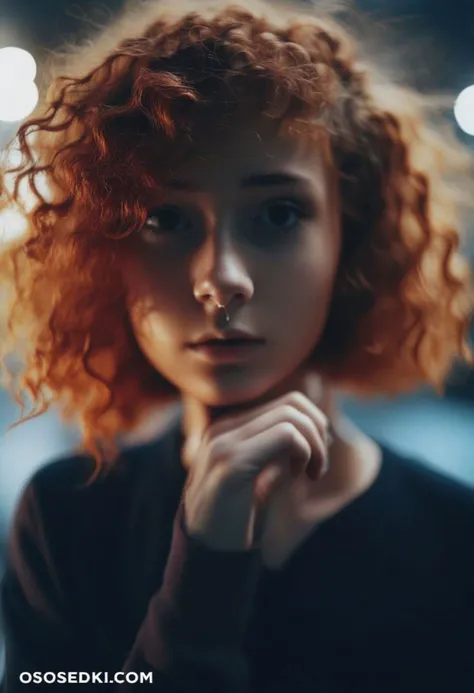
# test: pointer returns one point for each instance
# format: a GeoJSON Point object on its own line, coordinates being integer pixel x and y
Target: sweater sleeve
{"type": "Point", "coordinates": [191, 639]}
{"type": "Point", "coordinates": [193, 634]}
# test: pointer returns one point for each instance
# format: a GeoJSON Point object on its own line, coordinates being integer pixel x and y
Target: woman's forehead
{"type": "Point", "coordinates": [249, 148]}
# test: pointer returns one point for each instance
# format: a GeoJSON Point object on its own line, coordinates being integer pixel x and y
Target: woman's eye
{"type": "Point", "coordinates": [167, 219]}
{"type": "Point", "coordinates": [282, 214]}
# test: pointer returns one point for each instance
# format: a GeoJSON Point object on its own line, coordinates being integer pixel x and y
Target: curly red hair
{"type": "Point", "coordinates": [403, 294]}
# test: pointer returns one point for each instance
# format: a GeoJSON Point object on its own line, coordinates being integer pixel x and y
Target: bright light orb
{"type": "Point", "coordinates": [16, 64]}
{"type": "Point", "coordinates": [17, 100]}
{"type": "Point", "coordinates": [464, 110]}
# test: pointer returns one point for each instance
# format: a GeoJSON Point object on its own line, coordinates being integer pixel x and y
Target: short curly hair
{"type": "Point", "coordinates": [159, 73]}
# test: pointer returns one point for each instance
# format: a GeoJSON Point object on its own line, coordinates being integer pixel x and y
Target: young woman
{"type": "Point", "coordinates": [242, 218]}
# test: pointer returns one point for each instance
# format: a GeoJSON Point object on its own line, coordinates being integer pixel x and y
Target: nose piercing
{"type": "Point", "coordinates": [222, 317]}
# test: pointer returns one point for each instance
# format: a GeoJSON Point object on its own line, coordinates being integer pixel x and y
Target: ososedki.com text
{"type": "Point", "coordinates": [54, 677]}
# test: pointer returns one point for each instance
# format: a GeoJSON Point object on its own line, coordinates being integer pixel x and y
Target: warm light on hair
{"type": "Point", "coordinates": [163, 73]}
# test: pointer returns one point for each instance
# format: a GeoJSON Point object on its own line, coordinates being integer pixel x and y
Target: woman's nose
{"type": "Point", "coordinates": [220, 273]}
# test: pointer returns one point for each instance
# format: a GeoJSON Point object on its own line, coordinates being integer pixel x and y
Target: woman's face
{"type": "Point", "coordinates": [254, 223]}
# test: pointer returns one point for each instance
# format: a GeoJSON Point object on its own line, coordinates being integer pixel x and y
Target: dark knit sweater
{"type": "Point", "coordinates": [104, 580]}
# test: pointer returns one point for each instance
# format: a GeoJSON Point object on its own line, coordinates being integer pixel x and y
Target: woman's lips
{"type": "Point", "coordinates": [227, 350]}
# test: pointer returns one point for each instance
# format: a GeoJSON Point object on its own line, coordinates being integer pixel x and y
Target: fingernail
{"type": "Point", "coordinates": [314, 387]}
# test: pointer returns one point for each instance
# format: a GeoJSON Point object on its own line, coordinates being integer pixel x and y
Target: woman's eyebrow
{"type": "Point", "coordinates": [255, 180]}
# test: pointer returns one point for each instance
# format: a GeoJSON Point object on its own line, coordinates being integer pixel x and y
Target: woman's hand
{"type": "Point", "coordinates": [243, 459]}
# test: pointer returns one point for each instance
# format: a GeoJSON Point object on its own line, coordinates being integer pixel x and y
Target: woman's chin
{"type": "Point", "coordinates": [239, 394]}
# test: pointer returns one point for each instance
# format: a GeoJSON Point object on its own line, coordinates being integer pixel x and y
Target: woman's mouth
{"type": "Point", "coordinates": [227, 350]}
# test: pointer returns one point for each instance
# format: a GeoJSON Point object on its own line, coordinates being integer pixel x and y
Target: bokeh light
{"type": "Point", "coordinates": [18, 92]}
{"type": "Point", "coordinates": [464, 110]}
{"type": "Point", "coordinates": [16, 64]}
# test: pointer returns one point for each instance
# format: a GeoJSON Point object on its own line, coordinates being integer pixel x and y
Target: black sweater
{"type": "Point", "coordinates": [378, 599]}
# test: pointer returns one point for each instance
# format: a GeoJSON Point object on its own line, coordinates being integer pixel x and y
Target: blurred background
{"type": "Point", "coordinates": [433, 37]}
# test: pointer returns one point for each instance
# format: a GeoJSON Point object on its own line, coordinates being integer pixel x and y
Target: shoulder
{"type": "Point", "coordinates": [70, 478]}
{"type": "Point", "coordinates": [60, 503]}
{"type": "Point", "coordinates": [63, 531]}
{"type": "Point", "coordinates": [428, 495]}
{"type": "Point", "coordinates": [425, 478]}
